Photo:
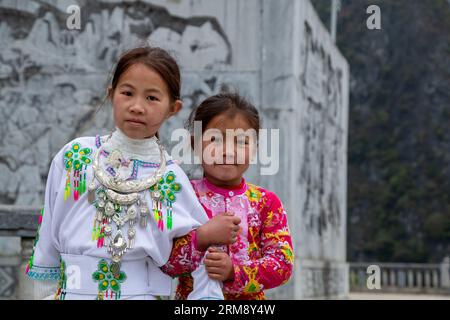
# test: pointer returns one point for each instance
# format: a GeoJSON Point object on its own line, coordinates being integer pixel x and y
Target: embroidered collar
{"type": "Point", "coordinates": [227, 191]}
{"type": "Point", "coordinates": [145, 150]}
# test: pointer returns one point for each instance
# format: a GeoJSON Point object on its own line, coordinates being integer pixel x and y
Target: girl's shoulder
{"type": "Point", "coordinates": [80, 143]}
{"type": "Point", "coordinates": [175, 173]}
{"type": "Point", "coordinates": [261, 195]}
{"type": "Point", "coordinates": [81, 149]}
{"type": "Point", "coordinates": [256, 190]}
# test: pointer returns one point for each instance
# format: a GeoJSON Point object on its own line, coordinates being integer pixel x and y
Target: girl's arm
{"type": "Point", "coordinates": [274, 268]}
{"type": "Point", "coordinates": [188, 214]}
{"type": "Point", "coordinates": [185, 257]}
{"type": "Point", "coordinates": [187, 251]}
{"type": "Point", "coordinates": [44, 263]}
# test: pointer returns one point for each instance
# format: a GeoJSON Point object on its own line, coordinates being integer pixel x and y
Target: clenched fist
{"type": "Point", "coordinates": [218, 264]}
{"type": "Point", "coordinates": [221, 229]}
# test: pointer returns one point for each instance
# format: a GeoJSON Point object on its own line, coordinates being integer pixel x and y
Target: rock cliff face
{"type": "Point", "coordinates": [399, 156]}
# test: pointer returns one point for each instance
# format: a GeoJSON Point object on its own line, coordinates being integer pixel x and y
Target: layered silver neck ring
{"type": "Point", "coordinates": [129, 186]}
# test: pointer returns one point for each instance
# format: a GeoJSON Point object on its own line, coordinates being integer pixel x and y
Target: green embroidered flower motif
{"type": "Point", "coordinates": [106, 278]}
{"type": "Point", "coordinates": [76, 157]}
{"type": "Point", "coordinates": [167, 187]}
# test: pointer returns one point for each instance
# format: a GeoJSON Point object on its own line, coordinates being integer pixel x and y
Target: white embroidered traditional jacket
{"type": "Point", "coordinates": [71, 245]}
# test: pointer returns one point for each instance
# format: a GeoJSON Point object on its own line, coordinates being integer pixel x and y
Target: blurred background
{"type": "Point", "coordinates": [359, 91]}
{"type": "Point", "coordinates": [398, 166]}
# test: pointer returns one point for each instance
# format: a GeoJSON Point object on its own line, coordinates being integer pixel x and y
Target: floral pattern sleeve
{"type": "Point", "coordinates": [184, 258]}
{"type": "Point", "coordinates": [274, 265]}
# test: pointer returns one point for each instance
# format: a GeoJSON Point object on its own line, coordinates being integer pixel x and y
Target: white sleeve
{"type": "Point", "coordinates": [205, 288]}
{"type": "Point", "coordinates": [44, 262]}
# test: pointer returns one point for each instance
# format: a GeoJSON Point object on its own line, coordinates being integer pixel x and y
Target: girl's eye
{"type": "Point", "coordinates": [152, 98]}
{"type": "Point", "coordinates": [126, 93]}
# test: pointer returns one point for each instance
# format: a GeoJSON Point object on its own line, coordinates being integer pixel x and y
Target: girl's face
{"type": "Point", "coordinates": [141, 102]}
{"type": "Point", "coordinates": [231, 170]}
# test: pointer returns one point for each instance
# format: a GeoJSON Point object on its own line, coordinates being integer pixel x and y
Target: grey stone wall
{"type": "Point", "coordinates": [275, 52]}
{"type": "Point", "coordinates": [305, 94]}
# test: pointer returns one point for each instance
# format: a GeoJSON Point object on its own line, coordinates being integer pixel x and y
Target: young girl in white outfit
{"type": "Point", "coordinates": [114, 204]}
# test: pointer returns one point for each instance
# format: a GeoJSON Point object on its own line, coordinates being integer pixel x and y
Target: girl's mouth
{"type": "Point", "coordinates": [135, 122]}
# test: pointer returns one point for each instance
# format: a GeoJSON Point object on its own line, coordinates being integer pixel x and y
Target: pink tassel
{"type": "Point", "coordinates": [160, 222]}
{"type": "Point", "coordinates": [100, 243]}
{"type": "Point", "coordinates": [76, 183]}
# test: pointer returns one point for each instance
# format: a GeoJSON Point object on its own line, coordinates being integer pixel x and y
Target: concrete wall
{"type": "Point", "coordinates": [305, 94]}
{"type": "Point", "coordinates": [276, 52]}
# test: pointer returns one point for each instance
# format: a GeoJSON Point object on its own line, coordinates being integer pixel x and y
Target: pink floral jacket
{"type": "Point", "coordinates": [262, 256]}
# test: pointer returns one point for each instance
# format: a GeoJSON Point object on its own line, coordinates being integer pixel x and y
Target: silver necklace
{"type": "Point", "coordinates": [112, 197]}
{"type": "Point", "coordinates": [132, 185]}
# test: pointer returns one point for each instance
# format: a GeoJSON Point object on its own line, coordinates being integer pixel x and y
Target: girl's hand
{"type": "Point", "coordinates": [221, 229]}
{"type": "Point", "coordinates": [219, 265]}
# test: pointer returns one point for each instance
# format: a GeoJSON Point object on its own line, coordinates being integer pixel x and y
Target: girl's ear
{"type": "Point", "coordinates": [109, 92]}
{"type": "Point", "coordinates": [176, 107]}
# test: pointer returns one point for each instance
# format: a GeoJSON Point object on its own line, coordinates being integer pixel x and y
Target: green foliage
{"type": "Point", "coordinates": [398, 152]}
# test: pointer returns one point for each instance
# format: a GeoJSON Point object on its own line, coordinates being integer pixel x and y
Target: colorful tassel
{"type": "Point", "coordinates": [79, 183]}
{"type": "Point", "coordinates": [76, 159]}
{"type": "Point", "coordinates": [94, 230]}
{"type": "Point", "coordinates": [160, 216]}
{"type": "Point", "coordinates": [67, 186]}
{"type": "Point", "coordinates": [83, 181]}
{"type": "Point", "coordinates": [101, 238]}
{"type": "Point", "coordinates": [76, 184]}
{"type": "Point", "coordinates": [155, 213]}
{"type": "Point", "coordinates": [169, 215]}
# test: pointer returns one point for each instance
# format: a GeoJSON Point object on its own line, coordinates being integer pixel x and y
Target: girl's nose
{"type": "Point", "coordinates": [137, 106]}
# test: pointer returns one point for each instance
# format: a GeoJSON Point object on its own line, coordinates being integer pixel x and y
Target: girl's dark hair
{"type": "Point", "coordinates": [224, 103]}
{"type": "Point", "coordinates": [156, 59]}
